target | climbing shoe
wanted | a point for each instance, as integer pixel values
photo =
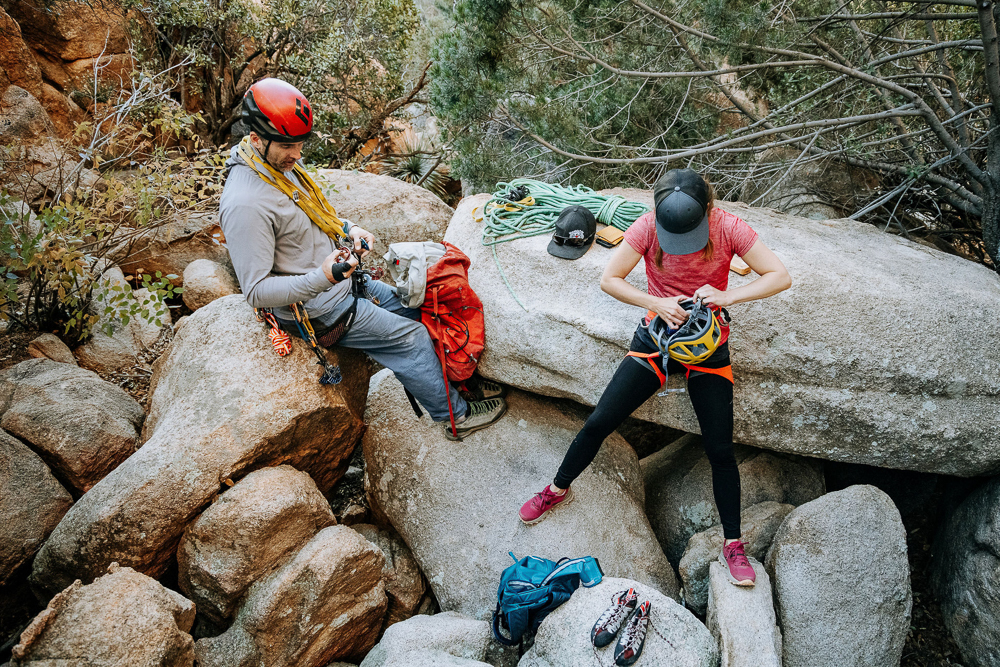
(535, 509)
(610, 622)
(480, 415)
(480, 389)
(738, 568)
(633, 638)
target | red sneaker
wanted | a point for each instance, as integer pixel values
(738, 568)
(535, 509)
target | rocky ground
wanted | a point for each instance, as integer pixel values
(238, 448)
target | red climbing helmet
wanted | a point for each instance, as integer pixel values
(277, 111)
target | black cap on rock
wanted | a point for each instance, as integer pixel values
(681, 200)
(575, 230)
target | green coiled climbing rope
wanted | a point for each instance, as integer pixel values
(505, 220)
(536, 206)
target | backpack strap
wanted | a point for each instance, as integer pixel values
(497, 619)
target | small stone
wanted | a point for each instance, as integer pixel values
(48, 346)
(205, 281)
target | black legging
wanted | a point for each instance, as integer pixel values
(633, 383)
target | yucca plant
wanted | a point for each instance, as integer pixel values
(413, 164)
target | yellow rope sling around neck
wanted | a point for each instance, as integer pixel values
(310, 199)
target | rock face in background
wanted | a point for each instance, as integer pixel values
(17, 65)
(326, 603)
(758, 525)
(404, 583)
(966, 575)
(82, 426)
(66, 41)
(31, 504)
(893, 394)
(223, 404)
(563, 639)
(742, 620)
(842, 581)
(123, 618)
(170, 247)
(456, 503)
(679, 500)
(390, 209)
(39, 166)
(449, 632)
(248, 532)
(815, 189)
(205, 281)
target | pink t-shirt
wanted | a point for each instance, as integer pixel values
(681, 275)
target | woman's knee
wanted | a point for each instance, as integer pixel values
(721, 455)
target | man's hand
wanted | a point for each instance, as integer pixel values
(712, 296)
(339, 256)
(358, 234)
(669, 311)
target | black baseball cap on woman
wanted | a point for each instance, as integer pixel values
(681, 200)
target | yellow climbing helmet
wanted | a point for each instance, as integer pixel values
(696, 339)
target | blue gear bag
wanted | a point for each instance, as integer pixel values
(532, 587)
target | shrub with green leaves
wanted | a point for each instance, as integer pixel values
(52, 266)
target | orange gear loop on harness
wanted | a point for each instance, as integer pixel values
(280, 341)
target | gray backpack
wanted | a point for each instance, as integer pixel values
(407, 264)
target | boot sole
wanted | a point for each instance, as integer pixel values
(462, 434)
(745, 583)
(567, 501)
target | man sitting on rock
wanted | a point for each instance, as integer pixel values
(282, 237)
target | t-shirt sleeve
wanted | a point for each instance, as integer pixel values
(742, 236)
(639, 233)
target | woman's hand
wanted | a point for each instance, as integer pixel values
(358, 234)
(669, 311)
(712, 296)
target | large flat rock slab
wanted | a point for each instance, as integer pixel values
(455, 503)
(223, 404)
(856, 362)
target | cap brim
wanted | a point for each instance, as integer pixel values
(569, 251)
(686, 243)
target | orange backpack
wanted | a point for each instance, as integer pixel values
(453, 314)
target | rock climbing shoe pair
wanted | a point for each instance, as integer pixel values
(480, 415)
(624, 604)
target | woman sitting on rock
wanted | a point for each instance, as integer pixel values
(687, 244)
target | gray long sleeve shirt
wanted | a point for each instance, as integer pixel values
(275, 248)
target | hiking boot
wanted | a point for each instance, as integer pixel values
(610, 622)
(630, 644)
(480, 389)
(535, 509)
(738, 568)
(480, 415)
